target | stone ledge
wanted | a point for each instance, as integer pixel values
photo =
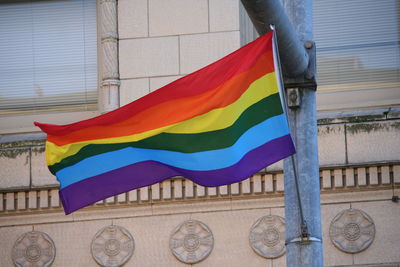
(132, 210)
(333, 181)
(355, 116)
(394, 264)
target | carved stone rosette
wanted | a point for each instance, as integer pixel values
(267, 236)
(352, 231)
(33, 249)
(191, 242)
(112, 246)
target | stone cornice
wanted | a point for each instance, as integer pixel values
(334, 180)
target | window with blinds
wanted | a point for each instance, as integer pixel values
(48, 52)
(358, 53)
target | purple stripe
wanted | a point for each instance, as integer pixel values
(91, 190)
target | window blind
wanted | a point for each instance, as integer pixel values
(48, 52)
(358, 52)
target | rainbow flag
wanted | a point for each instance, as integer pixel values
(216, 126)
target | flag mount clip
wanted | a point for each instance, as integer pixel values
(304, 240)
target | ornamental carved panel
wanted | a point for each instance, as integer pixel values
(33, 249)
(352, 231)
(191, 242)
(112, 246)
(267, 236)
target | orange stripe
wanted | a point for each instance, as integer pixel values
(167, 113)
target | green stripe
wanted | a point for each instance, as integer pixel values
(188, 143)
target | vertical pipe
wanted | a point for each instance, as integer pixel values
(303, 123)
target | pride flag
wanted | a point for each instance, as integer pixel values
(216, 126)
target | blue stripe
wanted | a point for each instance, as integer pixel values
(200, 161)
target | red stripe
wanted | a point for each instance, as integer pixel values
(193, 84)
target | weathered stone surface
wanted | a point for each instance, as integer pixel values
(1, 201)
(178, 190)
(10, 201)
(280, 185)
(174, 17)
(326, 179)
(384, 249)
(198, 50)
(146, 57)
(373, 141)
(166, 189)
(112, 246)
(9, 235)
(224, 15)
(191, 242)
(338, 178)
(246, 189)
(362, 176)
(332, 255)
(257, 183)
(277, 166)
(15, 168)
(267, 236)
(350, 180)
(144, 193)
(269, 183)
(133, 89)
(393, 113)
(41, 176)
(189, 189)
(44, 199)
(231, 242)
(331, 145)
(373, 175)
(34, 249)
(352, 116)
(132, 18)
(396, 174)
(152, 241)
(158, 82)
(73, 241)
(352, 230)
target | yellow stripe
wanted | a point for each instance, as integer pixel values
(211, 121)
(221, 118)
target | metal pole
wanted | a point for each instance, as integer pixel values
(301, 250)
(304, 242)
(266, 12)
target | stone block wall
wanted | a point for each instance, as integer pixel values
(161, 41)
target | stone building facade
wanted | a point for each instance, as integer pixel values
(143, 45)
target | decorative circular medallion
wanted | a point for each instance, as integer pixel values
(267, 236)
(352, 231)
(33, 249)
(112, 246)
(192, 241)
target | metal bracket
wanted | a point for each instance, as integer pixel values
(293, 97)
(304, 240)
(309, 79)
